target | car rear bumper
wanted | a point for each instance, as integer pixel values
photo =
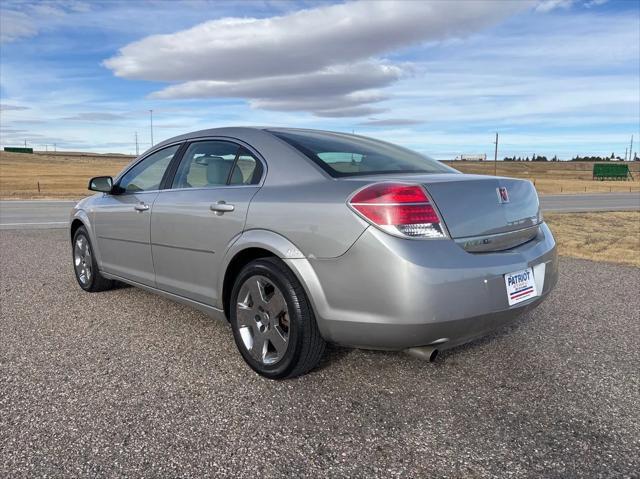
(393, 293)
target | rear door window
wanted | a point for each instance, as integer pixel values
(247, 171)
(217, 163)
(206, 163)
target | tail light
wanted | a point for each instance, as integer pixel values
(399, 209)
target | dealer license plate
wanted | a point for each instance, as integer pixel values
(520, 286)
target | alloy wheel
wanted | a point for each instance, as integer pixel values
(263, 319)
(82, 259)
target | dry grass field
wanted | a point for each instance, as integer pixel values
(607, 236)
(59, 175)
(553, 177)
(65, 175)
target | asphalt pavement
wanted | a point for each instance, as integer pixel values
(51, 214)
(590, 202)
(39, 214)
(127, 384)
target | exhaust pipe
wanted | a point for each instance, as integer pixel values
(426, 353)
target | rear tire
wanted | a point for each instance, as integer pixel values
(272, 320)
(85, 265)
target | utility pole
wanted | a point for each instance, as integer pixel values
(495, 158)
(631, 149)
(625, 154)
(25, 143)
(55, 147)
(137, 152)
(151, 123)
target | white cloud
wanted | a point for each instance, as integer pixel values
(301, 42)
(335, 80)
(24, 19)
(319, 103)
(547, 5)
(343, 112)
(97, 116)
(329, 90)
(391, 122)
(15, 25)
(319, 52)
(5, 107)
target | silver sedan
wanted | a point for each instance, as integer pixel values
(302, 237)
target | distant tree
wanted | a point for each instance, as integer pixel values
(555, 158)
(527, 159)
(590, 158)
(612, 156)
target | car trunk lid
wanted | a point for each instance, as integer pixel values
(481, 213)
(473, 205)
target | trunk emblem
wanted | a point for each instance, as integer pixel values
(503, 195)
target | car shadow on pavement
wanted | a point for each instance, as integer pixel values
(335, 354)
(505, 330)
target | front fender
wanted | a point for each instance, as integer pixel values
(79, 214)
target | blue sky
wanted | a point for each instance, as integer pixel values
(553, 77)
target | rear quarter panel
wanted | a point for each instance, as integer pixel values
(312, 215)
(301, 202)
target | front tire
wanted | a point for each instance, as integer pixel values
(85, 265)
(272, 320)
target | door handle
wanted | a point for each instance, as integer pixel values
(141, 207)
(221, 207)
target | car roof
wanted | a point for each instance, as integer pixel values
(241, 132)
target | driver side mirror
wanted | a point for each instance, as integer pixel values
(103, 184)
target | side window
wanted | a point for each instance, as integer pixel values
(247, 171)
(147, 175)
(206, 163)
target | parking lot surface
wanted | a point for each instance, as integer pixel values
(125, 383)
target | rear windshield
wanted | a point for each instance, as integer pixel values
(348, 155)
